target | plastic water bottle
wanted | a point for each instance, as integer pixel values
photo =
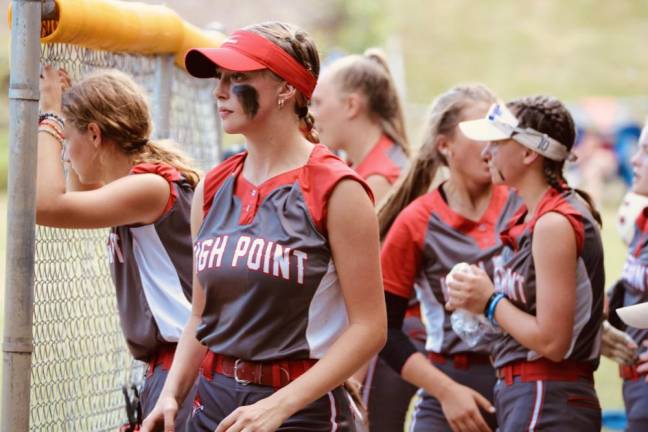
(468, 326)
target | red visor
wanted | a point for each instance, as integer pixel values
(247, 51)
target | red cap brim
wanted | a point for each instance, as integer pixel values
(201, 62)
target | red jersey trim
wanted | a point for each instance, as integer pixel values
(641, 225)
(552, 201)
(483, 231)
(402, 250)
(166, 171)
(215, 178)
(317, 178)
(377, 162)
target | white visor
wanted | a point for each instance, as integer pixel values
(501, 124)
(635, 316)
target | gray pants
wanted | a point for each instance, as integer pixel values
(153, 387)
(428, 415)
(222, 395)
(570, 406)
(635, 397)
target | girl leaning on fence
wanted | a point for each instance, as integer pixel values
(287, 276)
(119, 178)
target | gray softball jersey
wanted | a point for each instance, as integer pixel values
(151, 267)
(515, 275)
(264, 261)
(426, 241)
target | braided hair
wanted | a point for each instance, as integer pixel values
(548, 115)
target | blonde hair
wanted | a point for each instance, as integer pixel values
(369, 74)
(443, 117)
(117, 105)
(301, 47)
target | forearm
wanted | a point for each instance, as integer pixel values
(50, 179)
(186, 363)
(529, 332)
(418, 371)
(344, 357)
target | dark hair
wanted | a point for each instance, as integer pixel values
(548, 115)
(301, 47)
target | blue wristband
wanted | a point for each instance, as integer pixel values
(491, 307)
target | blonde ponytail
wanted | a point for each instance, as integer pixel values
(166, 151)
(444, 115)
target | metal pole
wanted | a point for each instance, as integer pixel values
(162, 97)
(17, 345)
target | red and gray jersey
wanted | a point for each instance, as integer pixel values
(386, 159)
(151, 267)
(264, 261)
(515, 276)
(426, 240)
(635, 272)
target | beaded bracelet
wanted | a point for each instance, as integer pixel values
(52, 115)
(492, 305)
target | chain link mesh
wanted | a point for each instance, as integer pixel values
(80, 359)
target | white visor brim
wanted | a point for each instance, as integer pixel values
(482, 130)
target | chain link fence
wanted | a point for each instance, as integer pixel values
(80, 359)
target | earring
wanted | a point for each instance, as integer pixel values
(281, 103)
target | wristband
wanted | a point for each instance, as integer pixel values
(492, 305)
(488, 302)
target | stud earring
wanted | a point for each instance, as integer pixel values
(281, 103)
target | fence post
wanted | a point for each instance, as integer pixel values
(17, 345)
(162, 92)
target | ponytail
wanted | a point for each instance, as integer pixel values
(165, 151)
(393, 125)
(415, 183)
(445, 114)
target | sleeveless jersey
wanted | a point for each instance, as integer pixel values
(264, 261)
(635, 271)
(515, 276)
(386, 159)
(426, 240)
(151, 268)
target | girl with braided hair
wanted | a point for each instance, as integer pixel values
(286, 267)
(119, 178)
(547, 291)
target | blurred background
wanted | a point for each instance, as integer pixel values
(589, 54)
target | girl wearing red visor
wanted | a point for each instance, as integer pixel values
(286, 277)
(547, 290)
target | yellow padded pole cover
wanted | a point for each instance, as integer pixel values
(118, 26)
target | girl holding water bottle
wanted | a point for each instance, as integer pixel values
(425, 234)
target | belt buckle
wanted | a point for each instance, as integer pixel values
(236, 378)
